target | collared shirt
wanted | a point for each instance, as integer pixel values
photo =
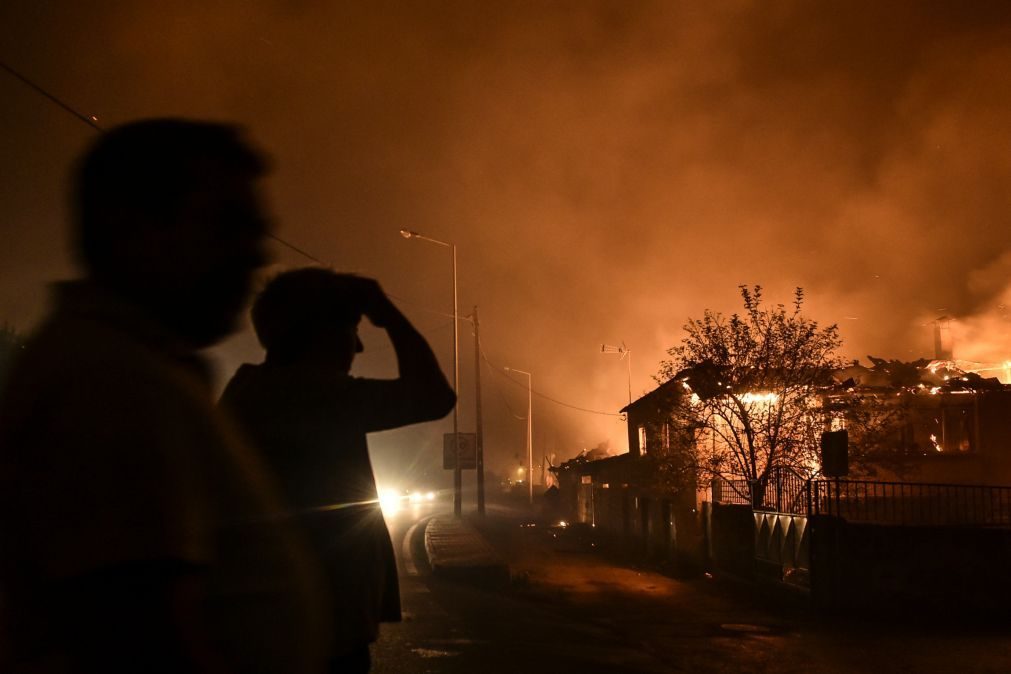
(111, 452)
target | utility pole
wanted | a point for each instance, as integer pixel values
(479, 439)
(457, 470)
(530, 434)
(530, 439)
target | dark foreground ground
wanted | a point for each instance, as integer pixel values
(575, 605)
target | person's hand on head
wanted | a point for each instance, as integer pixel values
(376, 306)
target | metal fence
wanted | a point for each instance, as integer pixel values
(912, 503)
(735, 492)
(905, 503)
(783, 490)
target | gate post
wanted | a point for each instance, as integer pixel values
(716, 490)
(757, 494)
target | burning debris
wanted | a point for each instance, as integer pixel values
(924, 376)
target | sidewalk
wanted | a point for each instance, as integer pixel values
(455, 549)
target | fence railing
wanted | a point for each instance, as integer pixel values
(783, 490)
(906, 503)
(735, 492)
(912, 503)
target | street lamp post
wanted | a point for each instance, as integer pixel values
(457, 473)
(530, 436)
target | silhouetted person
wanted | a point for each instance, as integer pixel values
(310, 417)
(138, 533)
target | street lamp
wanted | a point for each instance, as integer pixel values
(530, 437)
(457, 474)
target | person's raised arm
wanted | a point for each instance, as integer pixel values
(421, 392)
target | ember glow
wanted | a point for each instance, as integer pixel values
(763, 399)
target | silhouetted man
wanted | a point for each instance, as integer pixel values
(138, 534)
(310, 417)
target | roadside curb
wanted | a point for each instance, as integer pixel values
(456, 550)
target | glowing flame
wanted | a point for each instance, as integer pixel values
(937, 446)
(760, 398)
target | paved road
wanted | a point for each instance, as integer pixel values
(453, 627)
(579, 612)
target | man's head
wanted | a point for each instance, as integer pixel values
(310, 312)
(168, 214)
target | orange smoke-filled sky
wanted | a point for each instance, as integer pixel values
(606, 169)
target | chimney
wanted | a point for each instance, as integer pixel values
(943, 348)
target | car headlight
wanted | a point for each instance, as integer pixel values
(389, 501)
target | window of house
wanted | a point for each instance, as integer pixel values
(642, 440)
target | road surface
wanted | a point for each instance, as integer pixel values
(578, 611)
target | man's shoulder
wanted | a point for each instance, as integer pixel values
(69, 347)
(77, 361)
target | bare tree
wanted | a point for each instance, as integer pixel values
(750, 388)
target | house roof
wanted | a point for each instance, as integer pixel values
(660, 395)
(882, 374)
(585, 465)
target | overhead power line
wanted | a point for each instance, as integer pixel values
(501, 393)
(498, 370)
(92, 122)
(298, 250)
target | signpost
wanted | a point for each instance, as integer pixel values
(468, 451)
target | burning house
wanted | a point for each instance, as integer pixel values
(950, 423)
(930, 421)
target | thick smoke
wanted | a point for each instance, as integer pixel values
(606, 169)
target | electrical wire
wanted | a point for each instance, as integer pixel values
(502, 396)
(501, 373)
(298, 250)
(92, 122)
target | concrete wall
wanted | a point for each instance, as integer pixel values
(730, 538)
(782, 540)
(889, 567)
